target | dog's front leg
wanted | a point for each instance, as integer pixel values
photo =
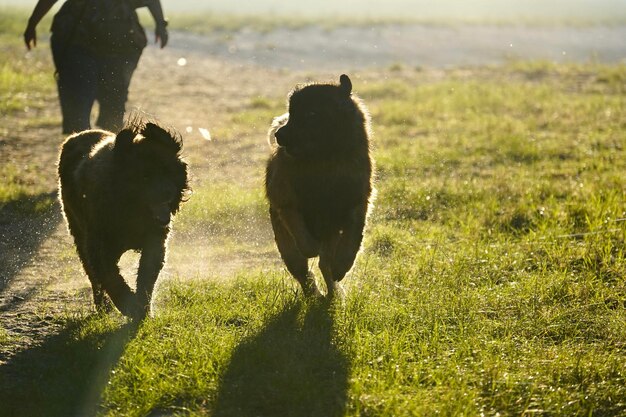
(349, 243)
(102, 261)
(150, 265)
(307, 244)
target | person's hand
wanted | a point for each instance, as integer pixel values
(30, 37)
(160, 34)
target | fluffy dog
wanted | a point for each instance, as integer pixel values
(119, 193)
(319, 181)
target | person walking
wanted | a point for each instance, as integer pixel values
(96, 46)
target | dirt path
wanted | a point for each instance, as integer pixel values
(414, 45)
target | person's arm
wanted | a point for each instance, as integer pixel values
(30, 34)
(160, 31)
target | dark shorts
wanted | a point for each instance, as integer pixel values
(84, 77)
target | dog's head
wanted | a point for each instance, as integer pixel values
(152, 170)
(321, 120)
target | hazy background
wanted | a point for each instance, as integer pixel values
(346, 35)
(414, 9)
(443, 33)
(420, 9)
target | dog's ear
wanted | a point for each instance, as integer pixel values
(124, 140)
(155, 132)
(345, 102)
(345, 84)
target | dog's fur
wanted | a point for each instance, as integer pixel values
(118, 193)
(319, 181)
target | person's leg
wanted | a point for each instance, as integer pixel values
(114, 81)
(76, 76)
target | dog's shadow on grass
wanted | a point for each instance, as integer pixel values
(67, 374)
(292, 367)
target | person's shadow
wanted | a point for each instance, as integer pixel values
(65, 375)
(292, 367)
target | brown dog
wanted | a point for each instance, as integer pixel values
(319, 181)
(118, 193)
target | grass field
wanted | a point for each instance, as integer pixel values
(491, 280)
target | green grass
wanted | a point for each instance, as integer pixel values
(222, 207)
(25, 80)
(491, 280)
(13, 187)
(21, 190)
(209, 22)
(5, 337)
(24, 83)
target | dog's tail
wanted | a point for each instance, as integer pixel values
(277, 123)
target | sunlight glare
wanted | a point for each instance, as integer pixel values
(205, 133)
